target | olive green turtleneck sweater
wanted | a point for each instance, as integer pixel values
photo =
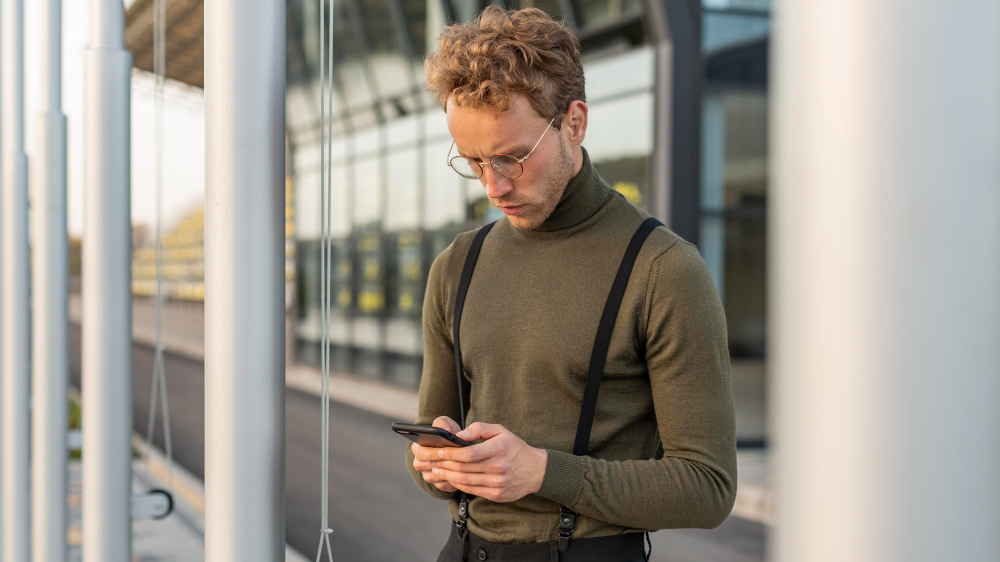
(528, 327)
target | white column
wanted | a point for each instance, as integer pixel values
(885, 270)
(14, 249)
(244, 280)
(50, 305)
(107, 299)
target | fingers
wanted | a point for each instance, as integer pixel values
(492, 494)
(426, 472)
(437, 482)
(445, 487)
(469, 478)
(480, 430)
(472, 453)
(425, 454)
(490, 466)
(444, 422)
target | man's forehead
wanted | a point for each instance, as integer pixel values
(483, 130)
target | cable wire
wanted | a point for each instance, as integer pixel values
(326, 131)
(159, 382)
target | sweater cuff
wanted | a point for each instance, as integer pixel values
(563, 481)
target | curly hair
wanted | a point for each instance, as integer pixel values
(483, 63)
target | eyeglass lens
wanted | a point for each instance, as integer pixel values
(504, 165)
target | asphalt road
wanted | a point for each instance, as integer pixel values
(376, 512)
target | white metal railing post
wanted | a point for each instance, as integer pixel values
(14, 249)
(885, 268)
(107, 291)
(244, 280)
(50, 301)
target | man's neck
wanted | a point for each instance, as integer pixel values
(577, 152)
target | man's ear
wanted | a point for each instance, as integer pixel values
(574, 124)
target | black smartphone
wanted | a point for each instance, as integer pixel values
(429, 436)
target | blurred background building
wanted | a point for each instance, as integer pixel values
(396, 205)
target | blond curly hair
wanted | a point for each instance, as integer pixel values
(483, 63)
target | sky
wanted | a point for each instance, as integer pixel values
(184, 132)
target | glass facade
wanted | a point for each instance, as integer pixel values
(733, 196)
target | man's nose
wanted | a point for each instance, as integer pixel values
(496, 185)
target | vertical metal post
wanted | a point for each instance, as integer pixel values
(107, 291)
(50, 301)
(244, 280)
(885, 247)
(674, 168)
(15, 329)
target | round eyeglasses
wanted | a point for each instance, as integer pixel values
(503, 164)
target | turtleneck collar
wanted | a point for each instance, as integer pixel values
(585, 194)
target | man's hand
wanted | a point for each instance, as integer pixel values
(422, 456)
(502, 469)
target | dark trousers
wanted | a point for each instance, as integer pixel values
(615, 548)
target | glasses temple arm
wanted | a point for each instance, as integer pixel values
(547, 127)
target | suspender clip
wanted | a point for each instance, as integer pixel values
(567, 522)
(463, 514)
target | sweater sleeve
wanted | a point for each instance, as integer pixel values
(438, 389)
(686, 351)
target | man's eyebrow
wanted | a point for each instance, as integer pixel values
(516, 151)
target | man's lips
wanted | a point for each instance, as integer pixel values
(511, 209)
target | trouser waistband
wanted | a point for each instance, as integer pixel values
(628, 547)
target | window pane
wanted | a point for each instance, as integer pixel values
(550, 7)
(744, 286)
(620, 128)
(307, 207)
(347, 58)
(734, 150)
(415, 12)
(401, 205)
(596, 13)
(728, 30)
(444, 202)
(371, 297)
(367, 192)
(616, 75)
(387, 62)
(340, 214)
(621, 153)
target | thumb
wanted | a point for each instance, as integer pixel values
(481, 430)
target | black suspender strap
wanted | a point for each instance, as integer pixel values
(463, 288)
(603, 339)
(567, 518)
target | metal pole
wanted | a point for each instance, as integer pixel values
(50, 304)
(16, 345)
(107, 291)
(675, 167)
(885, 267)
(244, 280)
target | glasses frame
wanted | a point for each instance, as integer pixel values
(482, 165)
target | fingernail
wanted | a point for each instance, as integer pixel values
(440, 454)
(435, 471)
(463, 434)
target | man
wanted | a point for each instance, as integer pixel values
(662, 450)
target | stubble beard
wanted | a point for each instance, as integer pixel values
(550, 192)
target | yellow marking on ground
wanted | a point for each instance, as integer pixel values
(190, 496)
